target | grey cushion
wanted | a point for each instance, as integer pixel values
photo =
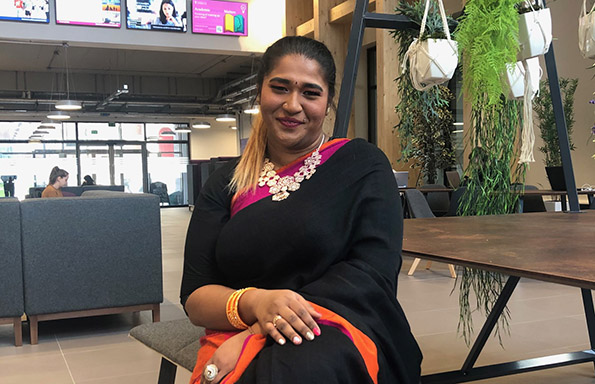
(84, 253)
(11, 270)
(177, 340)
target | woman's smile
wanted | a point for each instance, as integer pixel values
(289, 122)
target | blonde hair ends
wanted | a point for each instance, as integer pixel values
(248, 169)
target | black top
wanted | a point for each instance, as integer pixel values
(337, 241)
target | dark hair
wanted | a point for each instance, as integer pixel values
(57, 172)
(304, 46)
(162, 15)
(88, 180)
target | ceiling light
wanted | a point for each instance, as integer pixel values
(252, 110)
(167, 132)
(40, 132)
(58, 115)
(233, 127)
(201, 125)
(227, 117)
(183, 129)
(47, 124)
(68, 105)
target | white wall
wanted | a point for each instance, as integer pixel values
(266, 20)
(217, 141)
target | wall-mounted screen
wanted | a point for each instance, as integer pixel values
(21, 10)
(220, 17)
(161, 15)
(102, 13)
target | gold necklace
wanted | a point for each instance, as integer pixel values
(280, 187)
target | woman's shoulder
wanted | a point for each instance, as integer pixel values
(363, 151)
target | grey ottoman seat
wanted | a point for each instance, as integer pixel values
(11, 267)
(91, 255)
(177, 341)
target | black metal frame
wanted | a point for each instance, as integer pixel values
(468, 373)
(363, 19)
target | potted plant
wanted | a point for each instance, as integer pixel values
(548, 131)
(425, 118)
(488, 40)
(432, 59)
(535, 29)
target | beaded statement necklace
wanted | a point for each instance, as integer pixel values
(280, 187)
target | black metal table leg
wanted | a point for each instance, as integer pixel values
(490, 323)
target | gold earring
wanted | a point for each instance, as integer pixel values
(328, 110)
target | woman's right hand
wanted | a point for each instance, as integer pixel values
(284, 315)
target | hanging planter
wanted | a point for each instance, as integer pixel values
(432, 61)
(586, 32)
(515, 78)
(535, 31)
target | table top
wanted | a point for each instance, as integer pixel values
(550, 246)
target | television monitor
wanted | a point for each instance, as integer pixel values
(21, 10)
(101, 13)
(220, 17)
(160, 15)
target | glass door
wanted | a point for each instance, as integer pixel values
(113, 164)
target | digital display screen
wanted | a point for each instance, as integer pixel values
(161, 15)
(101, 13)
(220, 17)
(21, 10)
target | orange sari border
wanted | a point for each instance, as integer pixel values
(255, 343)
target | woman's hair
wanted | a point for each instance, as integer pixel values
(57, 172)
(89, 180)
(248, 169)
(162, 17)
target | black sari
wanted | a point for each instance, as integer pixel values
(336, 241)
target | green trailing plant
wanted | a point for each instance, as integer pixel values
(425, 118)
(544, 109)
(488, 39)
(487, 36)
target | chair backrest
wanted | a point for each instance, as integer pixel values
(402, 178)
(417, 204)
(454, 179)
(453, 209)
(531, 203)
(439, 202)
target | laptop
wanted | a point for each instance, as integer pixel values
(402, 178)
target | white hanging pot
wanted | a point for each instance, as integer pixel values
(515, 78)
(535, 33)
(586, 32)
(432, 61)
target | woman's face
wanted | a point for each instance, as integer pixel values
(293, 103)
(62, 181)
(168, 10)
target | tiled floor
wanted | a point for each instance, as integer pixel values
(546, 319)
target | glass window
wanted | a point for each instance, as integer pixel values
(32, 163)
(167, 167)
(164, 132)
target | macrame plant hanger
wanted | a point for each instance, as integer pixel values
(363, 19)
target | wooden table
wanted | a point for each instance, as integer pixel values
(549, 246)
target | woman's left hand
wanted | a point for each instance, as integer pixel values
(226, 356)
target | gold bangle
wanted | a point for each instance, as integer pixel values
(231, 309)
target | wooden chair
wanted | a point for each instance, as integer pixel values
(418, 208)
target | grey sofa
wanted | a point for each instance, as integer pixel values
(91, 255)
(11, 272)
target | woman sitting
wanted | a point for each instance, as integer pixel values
(293, 251)
(58, 179)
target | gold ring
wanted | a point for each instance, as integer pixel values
(275, 319)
